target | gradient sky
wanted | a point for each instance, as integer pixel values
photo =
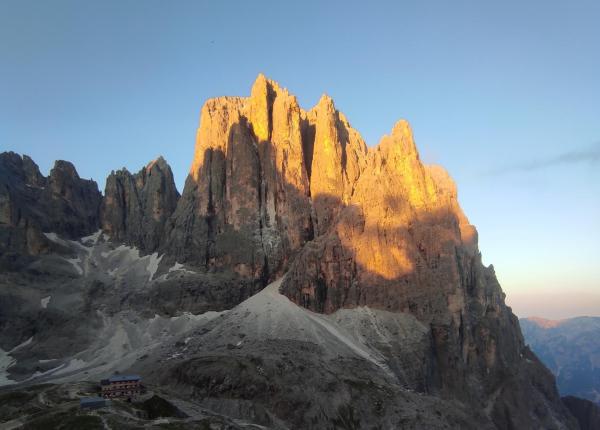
(505, 95)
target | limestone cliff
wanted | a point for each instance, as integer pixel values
(275, 189)
(266, 178)
(30, 204)
(246, 203)
(136, 207)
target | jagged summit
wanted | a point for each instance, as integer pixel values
(325, 102)
(159, 161)
(260, 110)
(136, 207)
(31, 203)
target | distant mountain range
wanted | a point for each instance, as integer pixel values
(570, 348)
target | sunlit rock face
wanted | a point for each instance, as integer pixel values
(136, 207)
(400, 229)
(276, 189)
(246, 203)
(336, 154)
(267, 177)
(401, 242)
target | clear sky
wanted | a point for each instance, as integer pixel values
(505, 95)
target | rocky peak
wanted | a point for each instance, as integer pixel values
(260, 107)
(325, 105)
(22, 167)
(158, 163)
(75, 202)
(31, 204)
(65, 169)
(402, 137)
(136, 207)
(63, 178)
(447, 195)
(32, 173)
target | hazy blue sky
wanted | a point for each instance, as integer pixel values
(505, 95)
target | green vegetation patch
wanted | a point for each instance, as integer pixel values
(157, 407)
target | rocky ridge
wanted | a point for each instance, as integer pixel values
(136, 207)
(31, 204)
(272, 190)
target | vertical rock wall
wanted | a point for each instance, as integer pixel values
(136, 207)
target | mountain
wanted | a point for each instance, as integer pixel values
(301, 280)
(31, 203)
(570, 348)
(136, 207)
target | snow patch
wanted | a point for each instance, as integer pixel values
(73, 365)
(93, 238)
(54, 238)
(178, 267)
(122, 251)
(68, 243)
(76, 264)
(44, 302)
(47, 372)
(22, 345)
(208, 315)
(153, 262)
(6, 361)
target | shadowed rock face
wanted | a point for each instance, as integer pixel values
(31, 204)
(136, 207)
(586, 412)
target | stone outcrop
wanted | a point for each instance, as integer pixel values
(30, 204)
(586, 412)
(73, 202)
(136, 206)
(266, 178)
(337, 157)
